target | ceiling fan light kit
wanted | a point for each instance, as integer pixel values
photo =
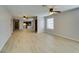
(51, 9)
(51, 13)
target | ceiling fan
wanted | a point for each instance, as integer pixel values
(51, 9)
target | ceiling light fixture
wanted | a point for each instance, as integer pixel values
(25, 17)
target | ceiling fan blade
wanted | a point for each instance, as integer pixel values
(57, 11)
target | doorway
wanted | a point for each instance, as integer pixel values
(15, 24)
(36, 25)
(27, 25)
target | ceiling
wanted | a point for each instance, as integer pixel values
(36, 10)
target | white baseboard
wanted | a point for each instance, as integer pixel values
(64, 36)
(4, 42)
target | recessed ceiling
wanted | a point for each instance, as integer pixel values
(36, 10)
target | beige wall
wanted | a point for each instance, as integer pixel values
(67, 24)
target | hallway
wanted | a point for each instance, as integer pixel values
(27, 41)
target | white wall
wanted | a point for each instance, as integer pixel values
(21, 24)
(33, 25)
(41, 24)
(67, 24)
(5, 26)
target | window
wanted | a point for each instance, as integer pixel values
(50, 23)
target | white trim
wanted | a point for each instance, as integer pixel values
(64, 36)
(4, 42)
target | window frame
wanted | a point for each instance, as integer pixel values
(51, 22)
